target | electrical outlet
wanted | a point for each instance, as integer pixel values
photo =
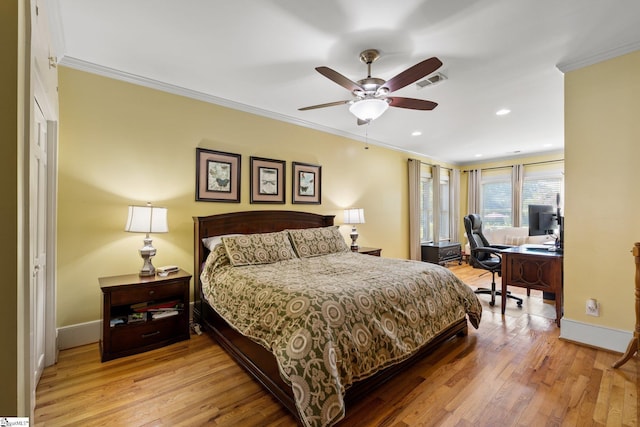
(593, 307)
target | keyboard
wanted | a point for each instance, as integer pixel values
(539, 248)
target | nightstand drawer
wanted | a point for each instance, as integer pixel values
(148, 333)
(147, 293)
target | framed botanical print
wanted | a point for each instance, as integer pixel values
(217, 176)
(307, 183)
(267, 180)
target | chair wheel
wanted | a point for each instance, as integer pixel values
(491, 303)
(520, 304)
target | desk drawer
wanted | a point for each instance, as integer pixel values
(534, 273)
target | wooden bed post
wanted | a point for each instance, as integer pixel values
(634, 345)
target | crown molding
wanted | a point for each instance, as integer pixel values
(113, 73)
(585, 61)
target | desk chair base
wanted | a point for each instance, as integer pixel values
(493, 292)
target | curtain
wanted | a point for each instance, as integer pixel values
(473, 191)
(517, 178)
(454, 197)
(414, 210)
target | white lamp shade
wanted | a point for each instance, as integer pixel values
(147, 219)
(354, 216)
(368, 109)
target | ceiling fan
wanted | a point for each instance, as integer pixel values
(371, 94)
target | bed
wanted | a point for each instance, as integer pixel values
(316, 393)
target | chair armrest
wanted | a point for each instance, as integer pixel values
(488, 249)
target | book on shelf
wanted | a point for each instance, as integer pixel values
(137, 317)
(118, 320)
(173, 304)
(164, 313)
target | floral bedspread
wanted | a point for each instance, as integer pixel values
(335, 319)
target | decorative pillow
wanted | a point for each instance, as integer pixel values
(211, 242)
(515, 240)
(262, 248)
(310, 242)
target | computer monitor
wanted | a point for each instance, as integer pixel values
(543, 220)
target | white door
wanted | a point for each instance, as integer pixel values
(38, 242)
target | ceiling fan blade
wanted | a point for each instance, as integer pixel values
(411, 103)
(412, 74)
(328, 104)
(346, 83)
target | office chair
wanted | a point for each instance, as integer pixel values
(485, 256)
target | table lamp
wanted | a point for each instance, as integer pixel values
(147, 219)
(353, 217)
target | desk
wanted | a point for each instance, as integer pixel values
(541, 270)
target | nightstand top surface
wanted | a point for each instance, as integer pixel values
(136, 279)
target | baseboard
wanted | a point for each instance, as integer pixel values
(86, 333)
(595, 336)
(79, 334)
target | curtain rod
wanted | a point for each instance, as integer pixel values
(524, 164)
(430, 164)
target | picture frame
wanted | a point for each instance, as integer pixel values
(267, 177)
(217, 176)
(307, 183)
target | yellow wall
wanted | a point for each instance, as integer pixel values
(602, 150)
(122, 144)
(12, 51)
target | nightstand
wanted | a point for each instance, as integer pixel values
(369, 251)
(143, 313)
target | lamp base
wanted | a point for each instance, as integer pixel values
(147, 252)
(354, 237)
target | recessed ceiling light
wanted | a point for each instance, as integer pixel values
(416, 133)
(478, 155)
(547, 145)
(502, 112)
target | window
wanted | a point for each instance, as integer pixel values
(540, 187)
(426, 205)
(435, 213)
(445, 206)
(496, 198)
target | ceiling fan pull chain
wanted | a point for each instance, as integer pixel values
(366, 136)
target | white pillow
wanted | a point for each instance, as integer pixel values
(515, 240)
(213, 241)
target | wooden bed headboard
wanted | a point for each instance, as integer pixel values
(246, 222)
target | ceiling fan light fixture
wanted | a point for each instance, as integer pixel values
(369, 109)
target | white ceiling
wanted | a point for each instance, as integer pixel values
(259, 56)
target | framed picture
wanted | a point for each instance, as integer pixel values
(267, 180)
(217, 176)
(307, 182)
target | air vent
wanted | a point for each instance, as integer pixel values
(431, 80)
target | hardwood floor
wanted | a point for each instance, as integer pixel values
(511, 372)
